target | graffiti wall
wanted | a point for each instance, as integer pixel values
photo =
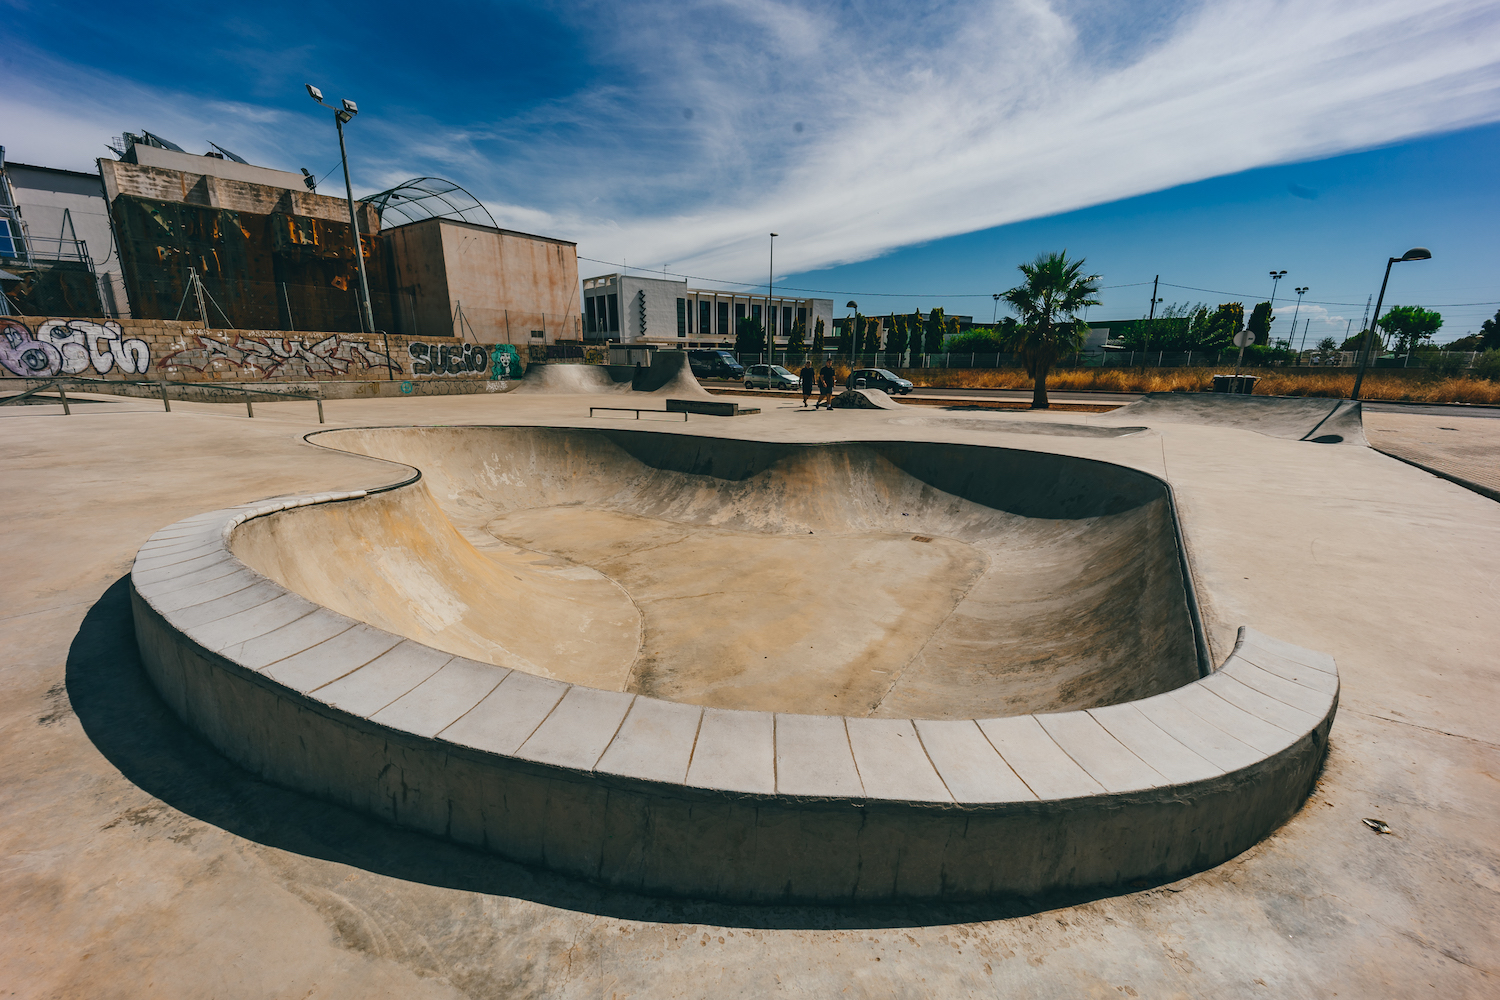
(281, 357)
(33, 347)
(70, 347)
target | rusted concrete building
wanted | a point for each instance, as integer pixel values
(274, 255)
(485, 284)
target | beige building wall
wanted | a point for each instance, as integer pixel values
(512, 288)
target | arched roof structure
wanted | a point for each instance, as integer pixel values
(428, 198)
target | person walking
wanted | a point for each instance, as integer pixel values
(807, 375)
(825, 386)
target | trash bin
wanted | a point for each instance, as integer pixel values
(1243, 385)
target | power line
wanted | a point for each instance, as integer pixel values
(828, 291)
(985, 295)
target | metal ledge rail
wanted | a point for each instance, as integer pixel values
(161, 385)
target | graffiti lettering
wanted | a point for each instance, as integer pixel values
(448, 359)
(68, 347)
(333, 355)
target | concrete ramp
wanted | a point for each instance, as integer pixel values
(865, 399)
(669, 375)
(1299, 418)
(570, 379)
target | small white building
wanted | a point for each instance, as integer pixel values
(667, 313)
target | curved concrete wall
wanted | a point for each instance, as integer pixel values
(678, 799)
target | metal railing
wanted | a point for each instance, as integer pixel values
(159, 388)
(1114, 359)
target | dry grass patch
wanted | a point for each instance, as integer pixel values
(1416, 387)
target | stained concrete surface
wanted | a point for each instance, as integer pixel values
(139, 863)
(839, 579)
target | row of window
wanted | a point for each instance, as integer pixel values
(601, 314)
(723, 328)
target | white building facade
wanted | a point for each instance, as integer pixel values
(665, 313)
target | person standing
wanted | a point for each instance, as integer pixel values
(807, 375)
(825, 386)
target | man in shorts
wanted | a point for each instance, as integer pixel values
(825, 386)
(807, 375)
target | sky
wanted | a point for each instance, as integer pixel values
(909, 155)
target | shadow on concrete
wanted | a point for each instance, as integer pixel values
(132, 727)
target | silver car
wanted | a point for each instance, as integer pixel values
(770, 377)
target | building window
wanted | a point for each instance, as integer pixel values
(591, 323)
(739, 312)
(614, 313)
(754, 312)
(682, 317)
(724, 328)
(786, 321)
(538, 334)
(705, 318)
(802, 317)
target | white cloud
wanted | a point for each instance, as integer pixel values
(920, 120)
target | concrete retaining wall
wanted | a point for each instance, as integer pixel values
(124, 349)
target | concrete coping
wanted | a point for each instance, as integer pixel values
(1265, 697)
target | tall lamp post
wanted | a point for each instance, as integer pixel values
(1301, 291)
(770, 326)
(995, 318)
(854, 333)
(341, 117)
(1415, 253)
(1275, 277)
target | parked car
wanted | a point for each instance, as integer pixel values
(715, 364)
(771, 377)
(881, 378)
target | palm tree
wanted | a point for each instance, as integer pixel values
(1048, 302)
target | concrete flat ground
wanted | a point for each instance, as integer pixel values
(1460, 444)
(138, 862)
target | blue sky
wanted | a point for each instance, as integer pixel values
(897, 148)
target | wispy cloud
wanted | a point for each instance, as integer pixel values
(918, 121)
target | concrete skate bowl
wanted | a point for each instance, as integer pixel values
(587, 653)
(1300, 418)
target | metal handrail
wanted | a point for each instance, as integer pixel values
(162, 385)
(68, 410)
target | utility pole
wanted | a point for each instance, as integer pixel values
(1150, 318)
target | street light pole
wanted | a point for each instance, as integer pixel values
(770, 327)
(995, 318)
(1275, 277)
(1295, 313)
(854, 333)
(342, 116)
(1415, 253)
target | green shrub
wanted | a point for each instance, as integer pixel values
(1487, 365)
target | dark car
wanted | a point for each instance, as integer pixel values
(715, 364)
(880, 378)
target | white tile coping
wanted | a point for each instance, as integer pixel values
(1266, 698)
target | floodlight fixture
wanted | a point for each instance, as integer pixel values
(350, 106)
(315, 93)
